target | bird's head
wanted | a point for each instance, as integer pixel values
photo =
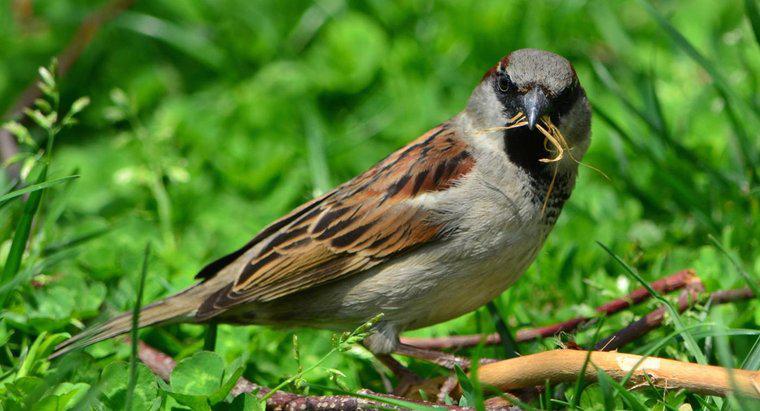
(537, 84)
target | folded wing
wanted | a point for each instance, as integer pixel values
(357, 226)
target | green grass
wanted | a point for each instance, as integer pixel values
(210, 119)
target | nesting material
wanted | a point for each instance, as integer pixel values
(554, 142)
(552, 135)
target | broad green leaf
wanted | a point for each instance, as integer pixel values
(23, 392)
(195, 402)
(200, 374)
(246, 402)
(64, 397)
(115, 379)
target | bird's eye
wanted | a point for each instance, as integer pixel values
(504, 83)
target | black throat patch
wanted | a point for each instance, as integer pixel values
(525, 148)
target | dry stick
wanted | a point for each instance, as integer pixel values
(636, 330)
(444, 359)
(654, 319)
(162, 365)
(66, 58)
(688, 298)
(558, 366)
(665, 285)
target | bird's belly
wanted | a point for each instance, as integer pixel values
(473, 282)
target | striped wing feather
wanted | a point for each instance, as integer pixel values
(358, 225)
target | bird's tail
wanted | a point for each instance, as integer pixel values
(177, 308)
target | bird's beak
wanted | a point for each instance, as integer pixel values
(535, 105)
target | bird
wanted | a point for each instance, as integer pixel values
(435, 230)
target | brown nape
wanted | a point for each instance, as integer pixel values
(504, 62)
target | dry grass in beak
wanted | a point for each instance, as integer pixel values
(549, 130)
(518, 120)
(554, 136)
(554, 142)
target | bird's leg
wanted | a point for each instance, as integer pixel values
(441, 358)
(380, 343)
(406, 377)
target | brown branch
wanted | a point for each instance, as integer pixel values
(654, 319)
(162, 365)
(66, 58)
(665, 285)
(559, 366)
(444, 359)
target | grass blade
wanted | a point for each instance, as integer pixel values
(480, 404)
(689, 341)
(507, 341)
(580, 383)
(315, 139)
(605, 387)
(687, 47)
(660, 127)
(135, 326)
(34, 187)
(751, 283)
(192, 42)
(656, 122)
(729, 97)
(752, 361)
(209, 337)
(76, 241)
(754, 17)
(21, 236)
(630, 399)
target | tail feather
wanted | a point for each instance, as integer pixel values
(176, 308)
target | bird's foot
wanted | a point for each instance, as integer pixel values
(406, 378)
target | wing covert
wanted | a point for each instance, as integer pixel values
(357, 226)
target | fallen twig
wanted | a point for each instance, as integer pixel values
(559, 366)
(665, 285)
(445, 360)
(654, 319)
(162, 365)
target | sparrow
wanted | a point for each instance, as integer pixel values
(433, 231)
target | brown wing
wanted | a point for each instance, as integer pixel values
(357, 226)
